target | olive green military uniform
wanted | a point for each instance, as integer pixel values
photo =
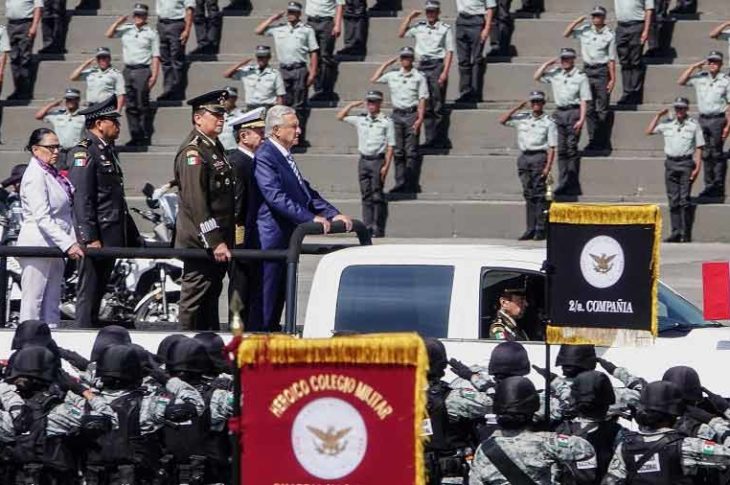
(505, 327)
(205, 219)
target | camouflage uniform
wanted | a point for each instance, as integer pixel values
(626, 397)
(11, 407)
(504, 327)
(535, 453)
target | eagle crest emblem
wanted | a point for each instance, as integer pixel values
(602, 264)
(330, 442)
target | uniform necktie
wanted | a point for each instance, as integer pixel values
(294, 168)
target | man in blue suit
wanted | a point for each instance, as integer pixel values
(284, 200)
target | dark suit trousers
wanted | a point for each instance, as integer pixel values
(202, 283)
(713, 158)
(295, 83)
(267, 297)
(356, 25)
(93, 278)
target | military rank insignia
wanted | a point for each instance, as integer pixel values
(80, 159)
(192, 157)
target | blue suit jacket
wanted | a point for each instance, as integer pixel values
(281, 202)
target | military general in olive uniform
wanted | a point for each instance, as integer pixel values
(512, 306)
(102, 217)
(206, 182)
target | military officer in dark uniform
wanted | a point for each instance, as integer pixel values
(102, 217)
(512, 306)
(205, 219)
(248, 130)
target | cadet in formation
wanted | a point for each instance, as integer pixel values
(174, 24)
(683, 145)
(375, 140)
(23, 18)
(537, 137)
(473, 26)
(634, 19)
(356, 27)
(68, 124)
(263, 85)
(208, 20)
(102, 80)
(231, 111)
(325, 17)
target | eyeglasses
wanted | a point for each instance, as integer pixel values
(50, 148)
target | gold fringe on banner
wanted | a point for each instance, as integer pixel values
(400, 349)
(608, 214)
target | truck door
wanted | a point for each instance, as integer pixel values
(494, 281)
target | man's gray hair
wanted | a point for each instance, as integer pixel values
(275, 117)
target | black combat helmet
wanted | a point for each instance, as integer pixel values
(108, 336)
(436, 357)
(120, 362)
(166, 344)
(32, 332)
(687, 380)
(214, 344)
(582, 357)
(663, 397)
(34, 362)
(509, 359)
(190, 356)
(592, 389)
(516, 395)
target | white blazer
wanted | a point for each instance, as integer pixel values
(47, 211)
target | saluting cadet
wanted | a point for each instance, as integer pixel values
(262, 84)
(298, 53)
(473, 25)
(206, 217)
(722, 32)
(102, 217)
(408, 95)
(174, 22)
(102, 80)
(23, 18)
(435, 52)
(683, 143)
(208, 20)
(226, 136)
(141, 53)
(357, 25)
(571, 92)
(634, 19)
(713, 93)
(325, 17)
(537, 137)
(598, 50)
(68, 124)
(375, 142)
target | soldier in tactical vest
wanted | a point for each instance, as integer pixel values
(515, 454)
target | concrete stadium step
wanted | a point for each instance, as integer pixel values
(503, 82)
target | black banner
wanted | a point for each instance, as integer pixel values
(601, 275)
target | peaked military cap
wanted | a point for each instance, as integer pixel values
(103, 51)
(72, 93)
(681, 102)
(598, 11)
(407, 52)
(537, 96)
(294, 7)
(263, 51)
(715, 56)
(211, 101)
(433, 5)
(374, 95)
(256, 118)
(140, 9)
(102, 109)
(567, 52)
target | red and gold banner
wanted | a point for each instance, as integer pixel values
(339, 411)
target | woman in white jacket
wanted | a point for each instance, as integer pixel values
(46, 197)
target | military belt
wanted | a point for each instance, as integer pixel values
(631, 23)
(18, 21)
(316, 18)
(371, 158)
(683, 158)
(402, 111)
(568, 107)
(430, 62)
(712, 116)
(595, 66)
(170, 21)
(136, 66)
(292, 66)
(534, 152)
(468, 16)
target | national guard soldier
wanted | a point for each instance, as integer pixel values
(408, 93)
(298, 53)
(537, 137)
(141, 53)
(102, 80)
(504, 26)
(572, 93)
(375, 140)
(473, 26)
(657, 453)
(102, 217)
(598, 50)
(174, 22)
(713, 95)
(208, 20)
(229, 103)
(435, 52)
(325, 18)
(23, 18)
(634, 19)
(68, 124)
(262, 84)
(205, 220)
(683, 144)
(722, 32)
(516, 454)
(512, 306)
(357, 25)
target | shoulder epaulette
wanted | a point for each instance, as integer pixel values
(85, 143)
(421, 22)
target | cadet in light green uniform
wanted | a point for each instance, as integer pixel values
(23, 17)
(174, 23)
(537, 137)
(68, 124)
(473, 25)
(325, 18)
(102, 80)
(683, 143)
(375, 142)
(435, 52)
(262, 84)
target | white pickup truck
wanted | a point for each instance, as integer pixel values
(451, 292)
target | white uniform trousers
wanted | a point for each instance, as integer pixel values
(41, 282)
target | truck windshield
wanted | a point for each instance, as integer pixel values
(395, 298)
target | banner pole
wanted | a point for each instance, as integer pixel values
(547, 269)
